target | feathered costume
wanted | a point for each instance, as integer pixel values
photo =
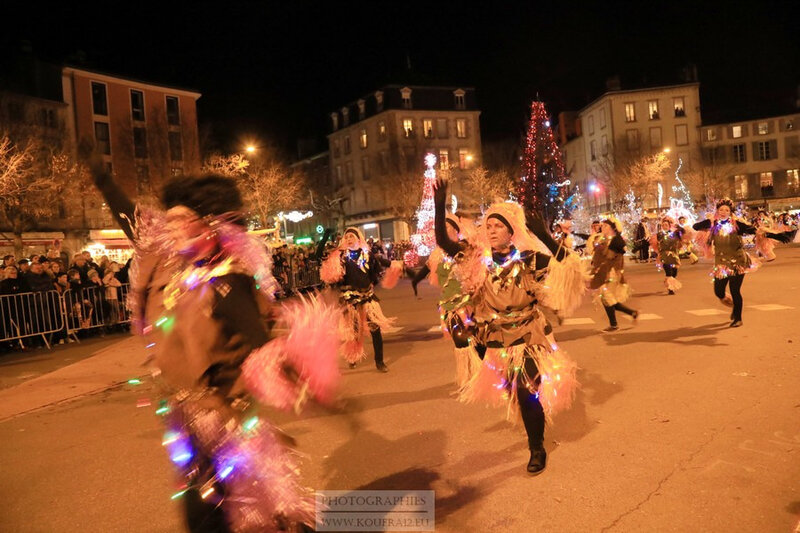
(356, 272)
(608, 274)
(205, 323)
(667, 244)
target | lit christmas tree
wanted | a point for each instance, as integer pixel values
(424, 240)
(543, 185)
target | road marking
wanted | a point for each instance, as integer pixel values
(645, 316)
(770, 307)
(707, 312)
(577, 321)
(435, 329)
(393, 329)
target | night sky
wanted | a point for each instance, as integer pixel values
(274, 70)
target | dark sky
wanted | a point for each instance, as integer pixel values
(273, 70)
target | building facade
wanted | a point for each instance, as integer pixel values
(622, 125)
(759, 160)
(379, 142)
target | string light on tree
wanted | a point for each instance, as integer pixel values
(424, 239)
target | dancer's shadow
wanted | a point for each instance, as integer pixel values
(379, 400)
(574, 334)
(702, 336)
(412, 335)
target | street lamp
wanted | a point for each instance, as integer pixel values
(250, 149)
(667, 150)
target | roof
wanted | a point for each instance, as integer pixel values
(107, 76)
(637, 90)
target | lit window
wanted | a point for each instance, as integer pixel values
(362, 138)
(593, 150)
(655, 137)
(464, 159)
(630, 112)
(681, 134)
(633, 139)
(765, 151)
(736, 132)
(711, 134)
(763, 128)
(405, 92)
(461, 128)
(740, 186)
(739, 153)
(652, 110)
(679, 106)
(444, 159)
(591, 124)
(793, 178)
(381, 131)
(765, 178)
(427, 128)
(408, 128)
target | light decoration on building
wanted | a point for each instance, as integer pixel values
(295, 216)
(453, 203)
(424, 240)
(660, 194)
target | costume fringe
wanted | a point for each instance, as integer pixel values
(392, 275)
(376, 318)
(352, 328)
(332, 270)
(701, 239)
(565, 284)
(672, 283)
(309, 350)
(468, 363)
(765, 246)
(470, 268)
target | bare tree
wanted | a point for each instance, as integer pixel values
(622, 170)
(403, 193)
(488, 186)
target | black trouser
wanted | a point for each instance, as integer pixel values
(644, 251)
(612, 317)
(530, 408)
(202, 516)
(422, 274)
(736, 292)
(671, 271)
(377, 344)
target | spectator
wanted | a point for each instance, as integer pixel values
(13, 282)
(79, 264)
(89, 260)
(55, 269)
(36, 279)
(60, 283)
(8, 261)
(24, 265)
(103, 266)
(112, 285)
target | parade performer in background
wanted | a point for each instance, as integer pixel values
(764, 245)
(731, 261)
(200, 295)
(688, 240)
(608, 267)
(667, 243)
(355, 270)
(523, 368)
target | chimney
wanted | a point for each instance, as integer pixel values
(613, 83)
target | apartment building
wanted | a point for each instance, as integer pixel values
(385, 135)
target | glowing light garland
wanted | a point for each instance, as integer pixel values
(424, 239)
(541, 186)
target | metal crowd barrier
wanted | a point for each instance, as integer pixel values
(51, 315)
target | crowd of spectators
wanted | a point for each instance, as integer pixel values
(82, 295)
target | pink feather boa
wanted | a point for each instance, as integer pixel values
(332, 270)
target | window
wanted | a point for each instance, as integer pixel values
(789, 125)
(765, 179)
(681, 134)
(427, 128)
(655, 137)
(366, 197)
(591, 124)
(441, 128)
(736, 132)
(464, 159)
(337, 177)
(137, 105)
(740, 186)
(459, 95)
(345, 117)
(763, 128)
(348, 171)
(461, 128)
(766, 150)
(632, 137)
(142, 179)
(176, 171)
(336, 148)
(793, 179)
(408, 128)
(347, 144)
(47, 118)
(173, 111)
(602, 118)
(679, 106)
(361, 109)
(652, 110)
(444, 159)
(603, 146)
(99, 100)
(381, 131)
(175, 146)
(335, 121)
(365, 168)
(140, 143)
(593, 150)
(739, 153)
(405, 93)
(630, 112)
(102, 137)
(379, 100)
(362, 138)
(384, 160)
(711, 134)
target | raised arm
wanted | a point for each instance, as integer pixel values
(451, 248)
(121, 206)
(703, 225)
(321, 246)
(535, 224)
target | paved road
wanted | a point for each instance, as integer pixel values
(682, 424)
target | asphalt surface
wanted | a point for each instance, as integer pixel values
(681, 424)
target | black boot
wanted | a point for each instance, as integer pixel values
(377, 346)
(538, 461)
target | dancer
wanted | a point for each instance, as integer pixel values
(608, 270)
(201, 289)
(667, 243)
(356, 271)
(523, 367)
(731, 261)
(764, 245)
(688, 240)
